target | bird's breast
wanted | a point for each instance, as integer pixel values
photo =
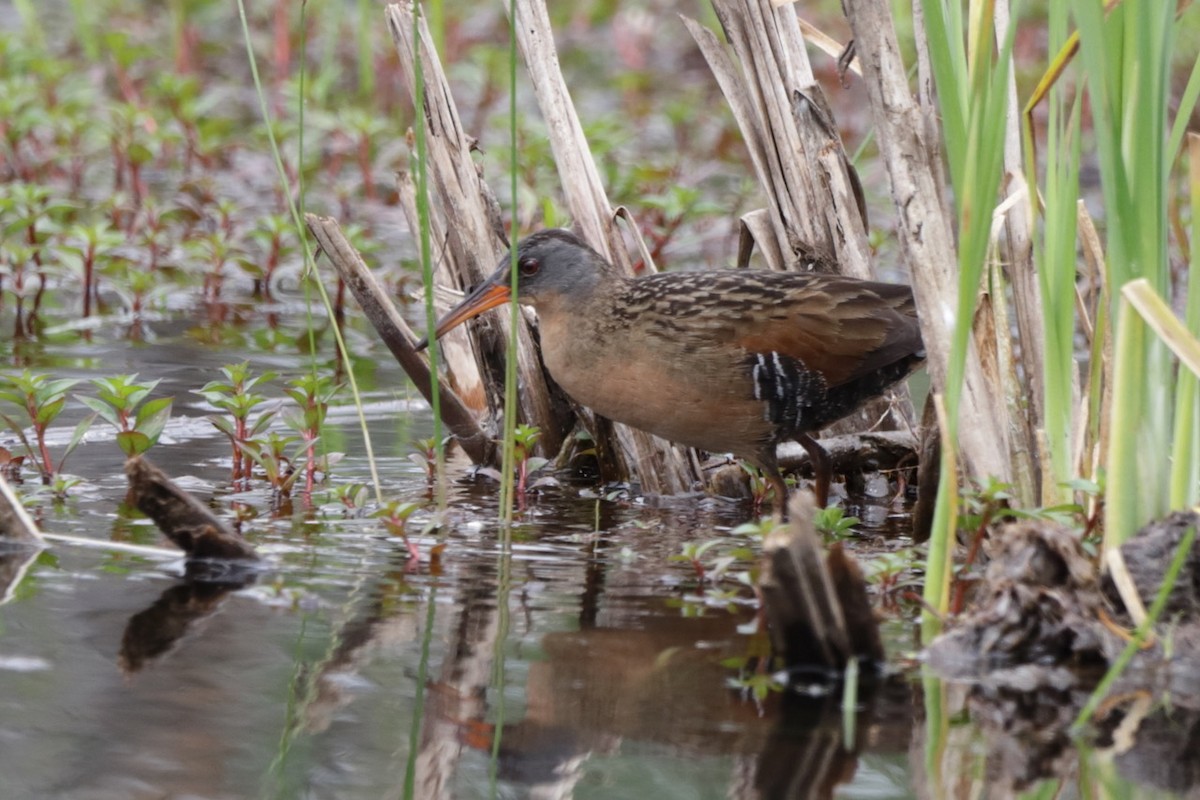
(681, 390)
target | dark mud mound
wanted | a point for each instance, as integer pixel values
(1040, 605)
(1046, 627)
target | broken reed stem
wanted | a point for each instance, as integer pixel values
(397, 336)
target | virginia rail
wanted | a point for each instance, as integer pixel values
(730, 361)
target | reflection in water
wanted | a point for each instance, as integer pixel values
(595, 673)
(153, 632)
(386, 616)
(635, 674)
(14, 563)
(664, 686)
(807, 754)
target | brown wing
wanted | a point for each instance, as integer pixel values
(841, 327)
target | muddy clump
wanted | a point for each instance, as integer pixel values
(1045, 628)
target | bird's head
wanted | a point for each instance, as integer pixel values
(554, 268)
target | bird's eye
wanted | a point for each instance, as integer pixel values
(528, 267)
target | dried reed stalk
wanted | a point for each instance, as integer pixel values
(468, 241)
(815, 211)
(816, 215)
(906, 132)
(664, 468)
(468, 249)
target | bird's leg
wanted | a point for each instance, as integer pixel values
(781, 491)
(822, 468)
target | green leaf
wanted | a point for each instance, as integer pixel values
(153, 408)
(106, 411)
(152, 426)
(55, 388)
(223, 425)
(47, 412)
(133, 443)
(16, 398)
(81, 430)
(20, 434)
(260, 424)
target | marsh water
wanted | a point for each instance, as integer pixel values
(579, 661)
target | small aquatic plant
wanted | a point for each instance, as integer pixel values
(524, 439)
(91, 243)
(123, 401)
(354, 496)
(425, 456)
(276, 455)
(236, 397)
(395, 514)
(41, 399)
(312, 394)
(275, 238)
(834, 521)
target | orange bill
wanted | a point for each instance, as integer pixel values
(487, 296)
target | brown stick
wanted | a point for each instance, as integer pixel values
(15, 523)
(468, 240)
(817, 607)
(663, 468)
(398, 337)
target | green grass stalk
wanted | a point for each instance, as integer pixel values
(508, 457)
(938, 563)
(1126, 57)
(499, 677)
(1122, 512)
(426, 250)
(436, 15)
(1187, 103)
(418, 712)
(1185, 452)
(309, 263)
(1054, 253)
(273, 784)
(85, 28)
(937, 724)
(367, 23)
(972, 91)
(426, 255)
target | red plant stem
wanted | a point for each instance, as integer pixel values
(118, 168)
(136, 185)
(283, 44)
(339, 302)
(241, 466)
(960, 587)
(89, 266)
(364, 166)
(47, 464)
(310, 466)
